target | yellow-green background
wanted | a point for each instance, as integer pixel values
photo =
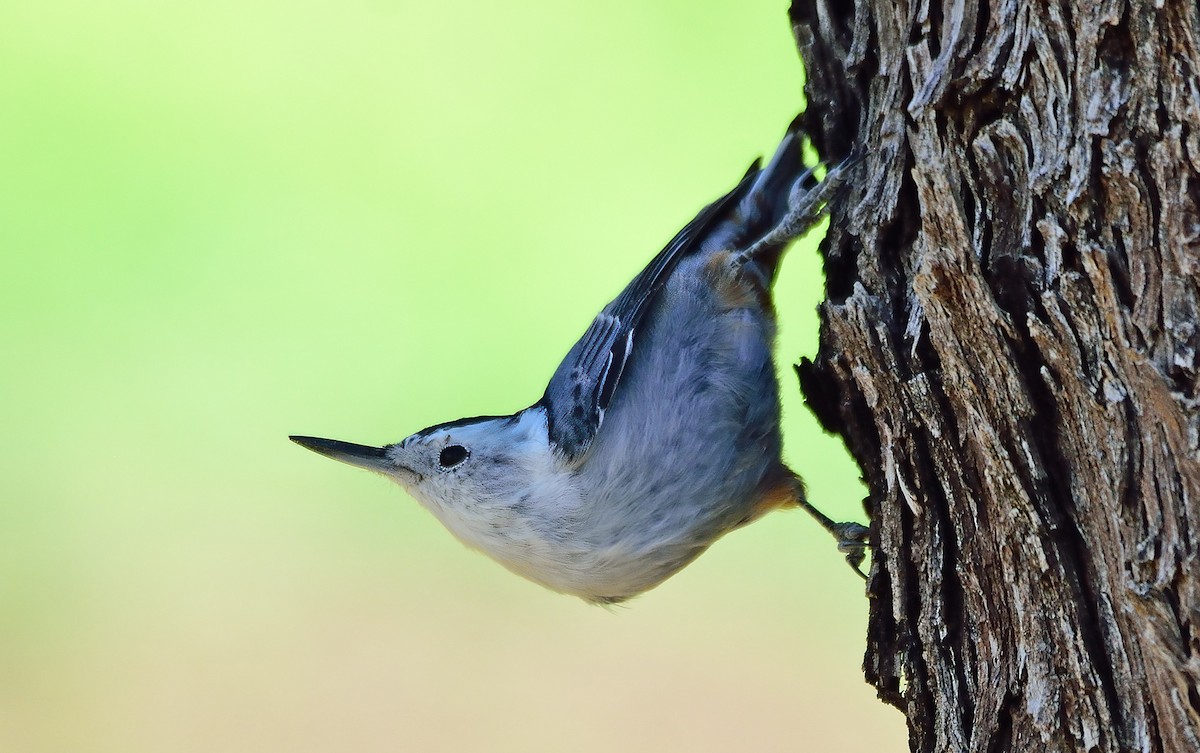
(225, 222)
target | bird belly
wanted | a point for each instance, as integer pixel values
(690, 448)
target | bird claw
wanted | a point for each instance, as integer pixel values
(851, 537)
(852, 542)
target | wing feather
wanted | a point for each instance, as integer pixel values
(586, 381)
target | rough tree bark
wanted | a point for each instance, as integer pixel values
(1009, 347)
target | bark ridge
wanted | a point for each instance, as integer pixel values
(1009, 346)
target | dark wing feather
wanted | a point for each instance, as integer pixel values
(586, 380)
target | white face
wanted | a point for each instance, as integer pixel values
(493, 481)
(459, 464)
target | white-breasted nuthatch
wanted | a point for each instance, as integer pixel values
(658, 433)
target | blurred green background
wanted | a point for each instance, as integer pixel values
(226, 222)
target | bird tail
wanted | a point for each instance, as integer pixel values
(783, 202)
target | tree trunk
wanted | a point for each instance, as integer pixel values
(1009, 347)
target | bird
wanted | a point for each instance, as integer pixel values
(659, 431)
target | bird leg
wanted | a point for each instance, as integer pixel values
(851, 537)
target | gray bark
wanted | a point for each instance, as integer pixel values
(1009, 347)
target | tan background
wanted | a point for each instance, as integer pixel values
(230, 222)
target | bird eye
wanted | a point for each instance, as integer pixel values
(452, 455)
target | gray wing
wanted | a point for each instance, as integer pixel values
(582, 387)
(756, 210)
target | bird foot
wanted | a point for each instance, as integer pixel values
(852, 542)
(851, 537)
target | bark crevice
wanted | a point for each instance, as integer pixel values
(1010, 348)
